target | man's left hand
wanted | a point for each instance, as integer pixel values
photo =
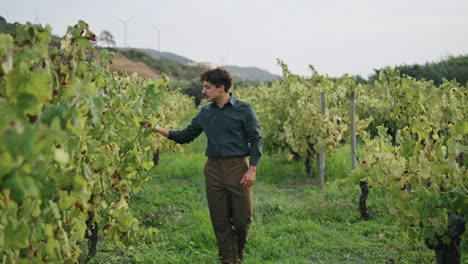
(248, 179)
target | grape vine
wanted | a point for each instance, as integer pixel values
(72, 150)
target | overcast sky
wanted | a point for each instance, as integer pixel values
(336, 36)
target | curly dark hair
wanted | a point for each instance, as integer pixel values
(218, 76)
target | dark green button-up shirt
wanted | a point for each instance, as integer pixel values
(232, 131)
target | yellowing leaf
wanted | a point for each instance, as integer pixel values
(61, 156)
(6, 52)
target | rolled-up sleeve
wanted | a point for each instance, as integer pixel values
(254, 136)
(188, 134)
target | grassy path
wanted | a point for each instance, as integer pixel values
(291, 224)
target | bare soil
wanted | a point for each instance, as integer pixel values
(122, 63)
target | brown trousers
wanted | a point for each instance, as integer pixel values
(230, 205)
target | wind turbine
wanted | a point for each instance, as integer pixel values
(159, 38)
(36, 20)
(125, 28)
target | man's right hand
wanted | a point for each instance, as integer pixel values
(146, 125)
(161, 130)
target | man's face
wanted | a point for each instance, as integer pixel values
(211, 92)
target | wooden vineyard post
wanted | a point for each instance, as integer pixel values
(322, 166)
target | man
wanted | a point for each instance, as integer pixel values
(233, 132)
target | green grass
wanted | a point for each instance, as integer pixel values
(295, 222)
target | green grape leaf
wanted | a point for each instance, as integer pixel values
(65, 201)
(8, 116)
(52, 112)
(29, 104)
(16, 79)
(6, 53)
(17, 233)
(21, 186)
(39, 85)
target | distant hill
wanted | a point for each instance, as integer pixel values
(163, 55)
(179, 71)
(247, 73)
(251, 73)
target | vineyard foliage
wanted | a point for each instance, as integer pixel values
(292, 120)
(72, 150)
(414, 138)
(422, 167)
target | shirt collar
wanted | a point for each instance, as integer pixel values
(232, 101)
